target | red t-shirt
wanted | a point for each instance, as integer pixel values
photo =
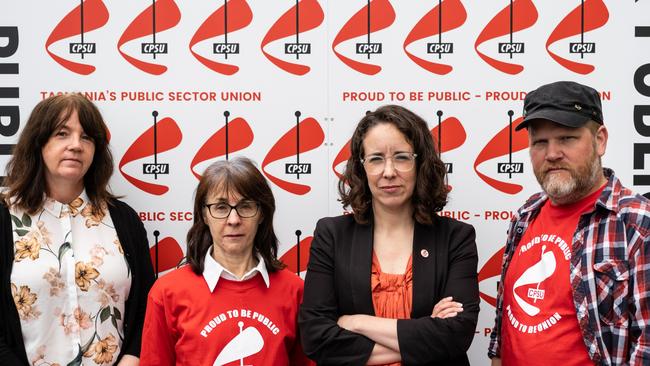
(238, 323)
(540, 326)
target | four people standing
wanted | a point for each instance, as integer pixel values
(391, 283)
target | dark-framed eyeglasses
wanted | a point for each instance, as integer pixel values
(402, 162)
(221, 210)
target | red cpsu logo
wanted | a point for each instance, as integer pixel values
(170, 254)
(230, 17)
(88, 16)
(302, 17)
(163, 136)
(590, 15)
(436, 22)
(159, 16)
(519, 15)
(375, 16)
(291, 259)
(449, 135)
(490, 269)
(307, 135)
(503, 145)
(234, 136)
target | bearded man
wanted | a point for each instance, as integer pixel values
(575, 282)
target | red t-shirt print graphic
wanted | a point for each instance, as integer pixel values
(540, 325)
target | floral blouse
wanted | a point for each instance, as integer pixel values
(69, 282)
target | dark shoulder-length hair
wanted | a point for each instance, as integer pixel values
(430, 193)
(238, 175)
(25, 172)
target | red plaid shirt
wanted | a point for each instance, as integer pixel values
(610, 274)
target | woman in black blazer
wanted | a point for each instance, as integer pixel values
(395, 183)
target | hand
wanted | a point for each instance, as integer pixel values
(446, 308)
(496, 361)
(128, 360)
(347, 322)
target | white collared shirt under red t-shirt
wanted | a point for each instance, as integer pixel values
(217, 318)
(540, 326)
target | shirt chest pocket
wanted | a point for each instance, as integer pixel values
(612, 287)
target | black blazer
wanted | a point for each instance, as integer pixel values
(133, 238)
(338, 283)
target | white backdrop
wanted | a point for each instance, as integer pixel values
(261, 87)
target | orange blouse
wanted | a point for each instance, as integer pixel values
(392, 294)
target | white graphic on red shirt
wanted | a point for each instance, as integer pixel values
(248, 342)
(537, 273)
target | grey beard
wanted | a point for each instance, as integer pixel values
(561, 192)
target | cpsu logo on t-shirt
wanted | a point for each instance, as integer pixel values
(163, 136)
(375, 16)
(586, 17)
(232, 16)
(159, 16)
(502, 147)
(305, 136)
(86, 17)
(304, 16)
(519, 15)
(444, 17)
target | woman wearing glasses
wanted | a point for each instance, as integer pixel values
(234, 301)
(394, 283)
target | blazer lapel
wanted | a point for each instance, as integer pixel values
(424, 270)
(360, 268)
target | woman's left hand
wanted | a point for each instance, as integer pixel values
(128, 360)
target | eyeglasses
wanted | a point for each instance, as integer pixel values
(221, 210)
(402, 162)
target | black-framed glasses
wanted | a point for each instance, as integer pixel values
(375, 164)
(221, 210)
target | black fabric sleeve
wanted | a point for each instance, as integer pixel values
(322, 339)
(142, 271)
(433, 340)
(10, 333)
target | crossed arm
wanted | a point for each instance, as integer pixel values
(331, 339)
(383, 331)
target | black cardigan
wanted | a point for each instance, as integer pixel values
(133, 238)
(338, 283)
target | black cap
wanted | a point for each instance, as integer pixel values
(564, 102)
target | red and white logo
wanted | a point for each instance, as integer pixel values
(589, 15)
(490, 270)
(302, 17)
(165, 254)
(297, 257)
(163, 136)
(305, 136)
(158, 17)
(519, 15)
(375, 16)
(232, 16)
(444, 17)
(504, 143)
(88, 16)
(234, 136)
